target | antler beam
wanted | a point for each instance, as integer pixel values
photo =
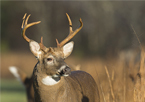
(71, 32)
(25, 26)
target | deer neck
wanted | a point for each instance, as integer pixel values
(43, 77)
(45, 85)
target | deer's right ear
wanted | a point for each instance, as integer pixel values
(67, 49)
(35, 48)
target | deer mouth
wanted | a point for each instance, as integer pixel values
(64, 71)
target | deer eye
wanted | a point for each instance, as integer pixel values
(49, 59)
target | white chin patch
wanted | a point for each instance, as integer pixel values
(49, 80)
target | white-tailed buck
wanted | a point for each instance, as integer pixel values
(53, 80)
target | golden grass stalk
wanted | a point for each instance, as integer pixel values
(124, 87)
(112, 78)
(139, 89)
(110, 83)
(100, 86)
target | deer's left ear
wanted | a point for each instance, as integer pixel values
(67, 49)
(35, 48)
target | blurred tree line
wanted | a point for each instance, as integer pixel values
(107, 24)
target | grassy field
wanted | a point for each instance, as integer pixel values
(119, 79)
(12, 91)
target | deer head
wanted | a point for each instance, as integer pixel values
(52, 58)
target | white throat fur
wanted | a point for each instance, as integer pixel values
(50, 80)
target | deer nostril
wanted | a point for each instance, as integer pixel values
(67, 70)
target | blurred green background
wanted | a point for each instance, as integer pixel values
(106, 31)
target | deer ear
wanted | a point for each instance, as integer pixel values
(35, 48)
(67, 49)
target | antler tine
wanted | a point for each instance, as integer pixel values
(42, 47)
(23, 20)
(71, 32)
(41, 40)
(70, 23)
(25, 26)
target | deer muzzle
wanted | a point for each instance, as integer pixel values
(64, 71)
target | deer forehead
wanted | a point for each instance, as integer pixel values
(54, 52)
(57, 60)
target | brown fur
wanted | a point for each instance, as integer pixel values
(79, 86)
(27, 82)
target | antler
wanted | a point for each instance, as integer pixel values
(25, 26)
(42, 47)
(71, 34)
